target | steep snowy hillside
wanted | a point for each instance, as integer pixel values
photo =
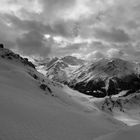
(106, 77)
(9, 55)
(34, 108)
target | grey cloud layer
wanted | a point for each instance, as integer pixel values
(115, 23)
(112, 35)
(33, 42)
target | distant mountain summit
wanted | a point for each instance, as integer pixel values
(62, 68)
(106, 77)
(104, 68)
(71, 60)
(59, 69)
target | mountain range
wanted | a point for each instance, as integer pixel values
(34, 106)
(104, 77)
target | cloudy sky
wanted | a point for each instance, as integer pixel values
(90, 29)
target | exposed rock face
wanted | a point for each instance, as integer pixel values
(106, 78)
(123, 103)
(44, 87)
(1, 46)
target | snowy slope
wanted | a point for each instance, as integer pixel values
(133, 133)
(29, 113)
(123, 108)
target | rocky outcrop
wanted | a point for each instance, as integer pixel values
(1, 46)
(8, 54)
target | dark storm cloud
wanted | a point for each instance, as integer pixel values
(113, 23)
(8, 35)
(60, 28)
(30, 40)
(76, 46)
(26, 36)
(57, 4)
(112, 35)
(32, 26)
(55, 8)
(33, 43)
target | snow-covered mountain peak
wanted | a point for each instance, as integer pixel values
(59, 69)
(106, 77)
(113, 67)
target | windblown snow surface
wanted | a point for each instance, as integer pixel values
(132, 133)
(29, 113)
